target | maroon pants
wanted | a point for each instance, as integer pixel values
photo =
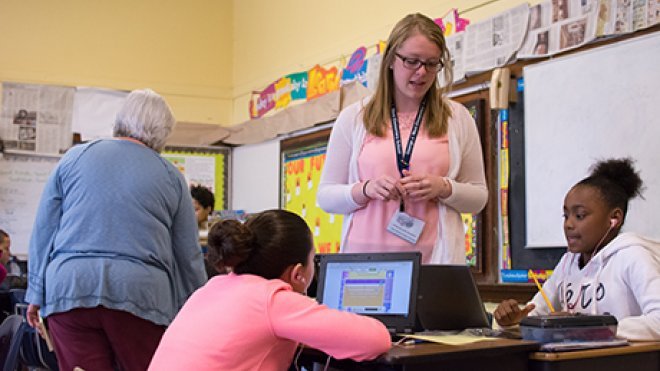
(100, 339)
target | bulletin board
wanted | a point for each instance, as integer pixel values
(207, 166)
(302, 161)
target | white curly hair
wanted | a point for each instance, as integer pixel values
(146, 117)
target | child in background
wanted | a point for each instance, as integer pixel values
(5, 242)
(604, 271)
(15, 269)
(203, 201)
(254, 317)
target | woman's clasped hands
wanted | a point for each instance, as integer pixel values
(384, 188)
(425, 187)
(413, 187)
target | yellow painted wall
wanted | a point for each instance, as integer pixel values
(275, 38)
(181, 49)
(204, 56)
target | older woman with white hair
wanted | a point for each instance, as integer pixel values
(114, 252)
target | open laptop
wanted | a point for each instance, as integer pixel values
(379, 285)
(448, 300)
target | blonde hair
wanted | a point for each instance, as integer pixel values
(377, 111)
(146, 117)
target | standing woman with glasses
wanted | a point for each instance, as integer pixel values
(403, 164)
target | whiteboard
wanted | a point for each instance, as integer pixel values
(22, 180)
(591, 105)
(255, 176)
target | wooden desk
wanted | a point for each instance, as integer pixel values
(638, 356)
(495, 355)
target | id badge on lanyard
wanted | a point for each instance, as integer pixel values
(401, 224)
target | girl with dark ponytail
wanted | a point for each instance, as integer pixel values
(604, 270)
(254, 317)
(265, 245)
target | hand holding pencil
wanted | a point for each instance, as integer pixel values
(545, 297)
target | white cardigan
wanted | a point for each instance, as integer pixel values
(466, 174)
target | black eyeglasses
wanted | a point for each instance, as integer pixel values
(414, 63)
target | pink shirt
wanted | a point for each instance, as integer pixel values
(245, 322)
(368, 231)
(466, 175)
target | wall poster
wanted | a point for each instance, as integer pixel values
(203, 166)
(300, 172)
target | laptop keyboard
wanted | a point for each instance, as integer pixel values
(495, 333)
(487, 332)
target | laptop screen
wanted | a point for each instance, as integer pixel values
(380, 285)
(448, 299)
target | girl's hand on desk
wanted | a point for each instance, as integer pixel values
(509, 313)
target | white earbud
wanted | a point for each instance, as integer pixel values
(613, 223)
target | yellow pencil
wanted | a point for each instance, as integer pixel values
(545, 297)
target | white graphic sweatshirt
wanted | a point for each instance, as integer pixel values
(622, 279)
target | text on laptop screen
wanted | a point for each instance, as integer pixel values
(373, 287)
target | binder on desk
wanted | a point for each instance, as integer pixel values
(569, 328)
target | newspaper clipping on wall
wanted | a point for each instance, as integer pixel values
(36, 118)
(559, 25)
(494, 42)
(617, 17)
(488, 44)
(455, 45)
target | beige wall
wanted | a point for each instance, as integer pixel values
(204, 56)
(181, 49)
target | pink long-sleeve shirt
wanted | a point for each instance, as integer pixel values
(246, 322)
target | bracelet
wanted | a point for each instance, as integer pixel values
(364, 189)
